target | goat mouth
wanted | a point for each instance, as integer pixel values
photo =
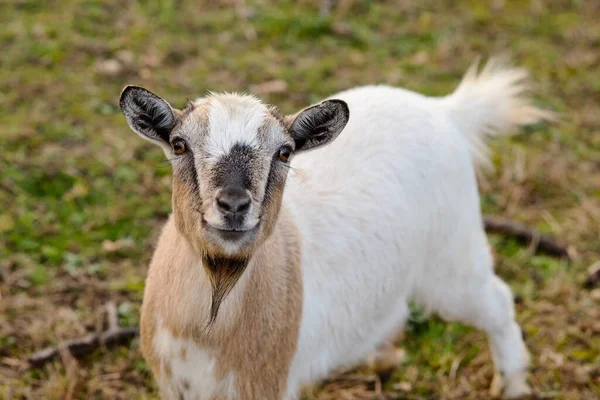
(231, 234)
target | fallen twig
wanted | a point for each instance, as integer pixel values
(85, 345)
(593, 276)
(539, 242)
(112, 316)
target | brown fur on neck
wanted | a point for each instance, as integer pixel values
(242, 337)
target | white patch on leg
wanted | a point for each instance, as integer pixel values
(509, 351)
(192, 369)
(515, 385)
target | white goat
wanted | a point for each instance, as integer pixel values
(254, 291)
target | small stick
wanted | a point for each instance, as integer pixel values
(112, 316)
(81, 346)
(539, 242)
(84, 345)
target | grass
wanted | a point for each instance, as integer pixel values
(83, 198)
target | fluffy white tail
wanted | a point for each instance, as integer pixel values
(491, 102)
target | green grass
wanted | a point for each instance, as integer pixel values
(74, 179)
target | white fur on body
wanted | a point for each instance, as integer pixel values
(389, 213)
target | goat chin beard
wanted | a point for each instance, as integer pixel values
(223, 273)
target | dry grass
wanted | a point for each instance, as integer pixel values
(83, 198)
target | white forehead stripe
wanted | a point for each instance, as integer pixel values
(233, 119)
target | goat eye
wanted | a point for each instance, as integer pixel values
(178, 146)
(284, 153)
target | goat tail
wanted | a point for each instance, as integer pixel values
(492, 102)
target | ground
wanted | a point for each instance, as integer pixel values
(83, 198)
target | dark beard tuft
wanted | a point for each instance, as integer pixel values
(223, 273)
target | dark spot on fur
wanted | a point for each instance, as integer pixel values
(192, 174)
(187, 173)
(235, 168)
(274, 180)
(168, 371)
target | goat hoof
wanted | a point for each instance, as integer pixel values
(517, 391)
(386, 359)
(496, 386)
(515, 387)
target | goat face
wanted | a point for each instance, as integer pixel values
(230, 156)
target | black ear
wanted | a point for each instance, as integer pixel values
(318, 125)
(147, 114)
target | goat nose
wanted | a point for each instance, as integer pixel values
(233, 200)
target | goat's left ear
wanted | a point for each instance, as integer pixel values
(318, 125)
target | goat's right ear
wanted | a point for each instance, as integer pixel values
(147, 114)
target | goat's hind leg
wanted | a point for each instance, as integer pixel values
(484, 301)
(510, 354)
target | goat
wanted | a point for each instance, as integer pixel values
(255, 291)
